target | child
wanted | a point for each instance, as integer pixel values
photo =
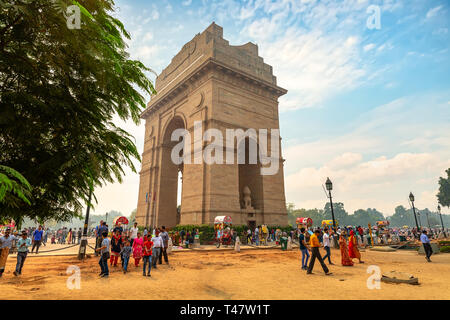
(125, 253)
(116, 246)
(148, 243)
(22, 251)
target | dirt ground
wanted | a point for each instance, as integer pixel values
(251, 274)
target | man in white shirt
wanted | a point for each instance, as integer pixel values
(158, 244)
(133, 233)
(326, 246)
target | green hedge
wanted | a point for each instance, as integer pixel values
(444, 243)
(445, 249)
(207, 233)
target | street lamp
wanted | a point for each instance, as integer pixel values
(329, 186)
(442, 223)
(84, 241)
(428, 222)
(411, 198)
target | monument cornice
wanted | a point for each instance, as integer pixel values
(158, 101)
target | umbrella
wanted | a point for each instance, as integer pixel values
(122, 220)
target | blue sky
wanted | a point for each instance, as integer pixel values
(370, 108)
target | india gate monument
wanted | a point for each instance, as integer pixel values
(211, 84)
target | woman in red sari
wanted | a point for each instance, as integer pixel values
(345, 259)
(353, 251)
(137, 249)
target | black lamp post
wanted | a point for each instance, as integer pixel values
(442, 223)
(329, 186)
(84, 241)
(428, 222)
(411, 198)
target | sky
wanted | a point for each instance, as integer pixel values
(368, 103)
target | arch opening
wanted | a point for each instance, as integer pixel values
(171, 185)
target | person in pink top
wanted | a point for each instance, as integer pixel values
(137, 249)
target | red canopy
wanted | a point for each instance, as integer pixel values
(122, 220)
(305, 221)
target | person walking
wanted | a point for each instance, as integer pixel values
(158, 244)
(182, 235)
(79, 236)
(249, 236)
(5, 245)
(104, 255)
(426, 245)
(326, 245)
(116, 247)
(133, 233)
(69, 236)
(315, 253)
(147, 256)
(345, 259)
(125, 253)
(165, 238)
(45, 238)
(137, 249)
(304, 248)
(353, 251)
(22, 252)
(98, 236)
(37, 238)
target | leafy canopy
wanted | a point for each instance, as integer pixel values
(444, 190)
(60, 90)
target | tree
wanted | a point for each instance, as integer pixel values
(402, 217)
(363, 217)
(290, 207)
(132, 216)
(444, 190)
(60, 89)
(340, 215)
(14, 188)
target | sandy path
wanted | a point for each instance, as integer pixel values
(251, 274)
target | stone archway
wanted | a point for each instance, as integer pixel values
(168, 179)
(219, 86)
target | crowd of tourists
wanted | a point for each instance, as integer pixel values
(130, 243)
(117, 246)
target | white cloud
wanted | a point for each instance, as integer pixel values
(391, 150)
(186, 3)
(369, 46)
(432, 12)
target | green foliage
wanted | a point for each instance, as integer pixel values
(14, 188)
(445, 249)
(444, 243)
(207, 232)
(444, 190)
(60, 90)
(132, 217)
